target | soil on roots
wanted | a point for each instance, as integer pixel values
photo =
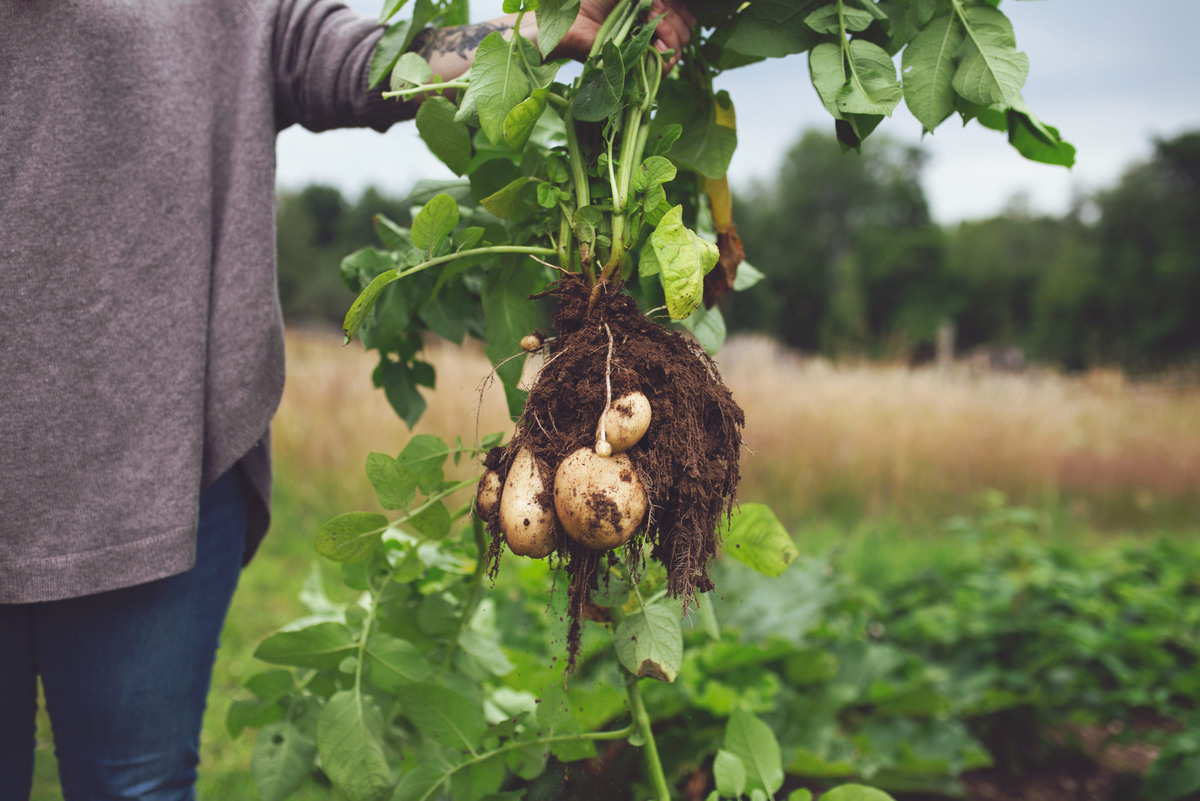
(687, 460)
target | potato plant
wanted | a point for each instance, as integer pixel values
(592, 224)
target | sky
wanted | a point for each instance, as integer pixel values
(1111, 75)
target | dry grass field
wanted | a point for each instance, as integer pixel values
(821, 439)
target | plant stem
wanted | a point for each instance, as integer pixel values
(426, 87)
(468, 611)
(641, 720)
(464, 254)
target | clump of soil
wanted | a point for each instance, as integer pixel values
(687, 460)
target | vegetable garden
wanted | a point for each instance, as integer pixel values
(592, 224)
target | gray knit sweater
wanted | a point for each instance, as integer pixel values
(142, 353)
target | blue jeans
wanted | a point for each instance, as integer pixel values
(125, 673)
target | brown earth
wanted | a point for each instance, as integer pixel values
(602, 349)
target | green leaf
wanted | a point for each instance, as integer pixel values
(432, 522)
(390, 9)
(872, 87)
(269, 688)
(729, 774)
(654, 170)
(708, 618)
(708, 327)
(283, 756)
(601, 89)
(992, 70)
(443, 715)
(554, 19)
(685, 259)
(478, 781)
(450, 141)
(400, 387)
(393, 236)
(363, 303)
(704, 146)
(434, 223)
(388, 51)
(350, 741)
(855, 792)
(747, 276)
(392, 662)
(803, 794)
(771, 29)
(424, 456)
(752, 741)
(758, 540)
(394, 485)
(420, 783)
(1035, 140)
(504, 202)
(649, 643)
(928, 69)
(521, 121)
(322, 646)
(509, 315)
(613, 591)
(497, 85)
(410, 70)
(586, 225)
(486, 651)
(825, 19)
(827, 67)
(350, 537)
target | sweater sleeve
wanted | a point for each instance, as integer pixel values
(321, 53)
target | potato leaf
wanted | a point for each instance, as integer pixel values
(434, 223)
(685, 259)
(992, 70)
(447, 139)
(649, 643)
(928, 69)
(758, 540)
(497, 85)
(283, 756)
(350, 742)
(442, 715)
(753, 742)
(520, 122)
(322, 646)
(350, 537)
(554, 19)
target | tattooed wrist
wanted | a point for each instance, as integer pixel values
(460, 40)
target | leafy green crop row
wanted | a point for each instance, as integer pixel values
(906, 686)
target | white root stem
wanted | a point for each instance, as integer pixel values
(602, 444)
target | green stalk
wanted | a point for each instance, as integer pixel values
(463, 254)
(619, 12)
(641, 720)
(464, 619)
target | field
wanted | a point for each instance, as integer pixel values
(866, 462)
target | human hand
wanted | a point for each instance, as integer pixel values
(674, 28)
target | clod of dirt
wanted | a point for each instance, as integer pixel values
(687, 460)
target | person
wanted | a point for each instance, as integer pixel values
(143, 356)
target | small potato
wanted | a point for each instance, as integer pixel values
(527, 522)
(532, 343)
(600, 502)
(487, 493)
(626, 421)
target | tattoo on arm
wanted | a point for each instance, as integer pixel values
(461, 40)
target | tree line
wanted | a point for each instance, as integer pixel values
(855, 265)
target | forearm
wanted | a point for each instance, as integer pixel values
(450, 51)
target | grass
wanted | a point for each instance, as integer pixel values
(864, 460)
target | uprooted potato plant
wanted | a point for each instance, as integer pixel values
(591, 222)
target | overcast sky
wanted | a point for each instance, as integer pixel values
(1109, 74)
